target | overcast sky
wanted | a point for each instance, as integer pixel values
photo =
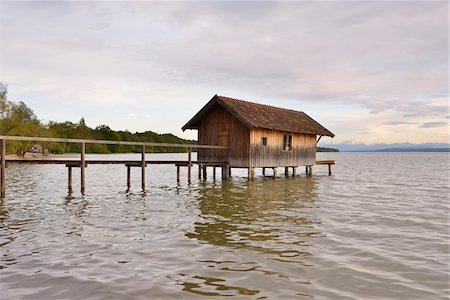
(373, 71)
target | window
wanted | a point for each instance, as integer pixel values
(287, 142)
(264, 141)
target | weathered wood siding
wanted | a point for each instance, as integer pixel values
(219, 127)
(303, 151)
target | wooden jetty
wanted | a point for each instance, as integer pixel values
(82, 163)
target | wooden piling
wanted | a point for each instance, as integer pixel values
(274, 172)
(264, 171)
(306, 170)
(128, 177)
(2, 168)
(225, 171)
(69, 179)
(199, 171)
(286, 171)
(329, 169)
(294, 170)
(143, 167)
(205, 172)
(310, 170)
(214, 173)
(178, 173)
(251, 173)
(82, 167)
(189, 164)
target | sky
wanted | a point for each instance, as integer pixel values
(369, 71)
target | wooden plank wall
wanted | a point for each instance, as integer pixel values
(219, 127)
(303, 151)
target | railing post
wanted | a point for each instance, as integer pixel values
(143, 167)
(2, 167)
(82, 167)
(189, 163)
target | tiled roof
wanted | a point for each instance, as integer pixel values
(265, 116)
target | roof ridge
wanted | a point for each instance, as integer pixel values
(252, 102)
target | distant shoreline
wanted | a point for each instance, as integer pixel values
(402, 150)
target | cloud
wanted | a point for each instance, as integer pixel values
(167, 59)
(433, 124)
(395, 123)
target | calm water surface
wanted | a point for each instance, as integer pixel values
(377, 229)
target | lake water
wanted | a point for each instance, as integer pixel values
(378, 228)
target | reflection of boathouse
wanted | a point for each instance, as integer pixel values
(257, 135)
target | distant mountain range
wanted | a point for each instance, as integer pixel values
(396, 147)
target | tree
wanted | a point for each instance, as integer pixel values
(17, 119)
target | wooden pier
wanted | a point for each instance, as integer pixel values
(82, 163)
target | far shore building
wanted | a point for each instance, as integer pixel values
(258, 136)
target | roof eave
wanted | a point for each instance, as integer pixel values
(191, 123)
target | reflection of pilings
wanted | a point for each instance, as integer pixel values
(249, 215)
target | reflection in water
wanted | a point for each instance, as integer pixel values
(361, 234)
(273, 219)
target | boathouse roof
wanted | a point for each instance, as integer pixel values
(255, 115)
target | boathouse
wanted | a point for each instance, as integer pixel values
(258, 136)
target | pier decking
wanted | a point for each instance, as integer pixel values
(82, 163)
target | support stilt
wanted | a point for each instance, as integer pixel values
(274, 173)
(264, 171)
(214, 173)
(189, 164)
(178, 173)
(205, 173)
(225, 171)
(199, 171)
(294, 170)
(82, 167)
(69, 179)
(2, 168)
(128, 177)
(329, 169)
(251, 173)
(286, 171)
(143, 167)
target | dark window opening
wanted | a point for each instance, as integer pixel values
(287, 142)
(264, 141)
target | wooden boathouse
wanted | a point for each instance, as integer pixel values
(256, 135)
